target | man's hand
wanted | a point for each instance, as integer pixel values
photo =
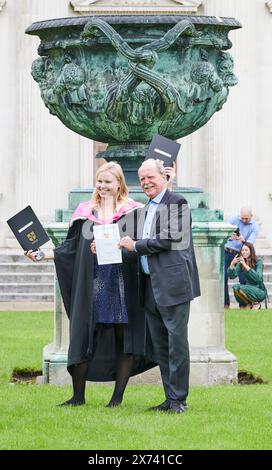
(170, 172)
(127, 242)
(237, 239)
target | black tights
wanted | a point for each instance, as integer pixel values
(124, 364)
(79, 374)
(123, 369)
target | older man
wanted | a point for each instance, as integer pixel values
(170, 280)
(248, 232)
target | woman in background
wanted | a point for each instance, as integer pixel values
(251, 294)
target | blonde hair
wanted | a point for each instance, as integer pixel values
(115, 169)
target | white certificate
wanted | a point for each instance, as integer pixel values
(107, 238)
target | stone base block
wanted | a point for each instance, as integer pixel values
(58, 374)
(213, 366)
(209, 366)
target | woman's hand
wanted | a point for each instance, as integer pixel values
(235, 260)
(46, 255)
(243, 263)
(31, 255)
(93, 247)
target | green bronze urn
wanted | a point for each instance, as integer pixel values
(122, 79)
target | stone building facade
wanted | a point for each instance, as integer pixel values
(42, 160)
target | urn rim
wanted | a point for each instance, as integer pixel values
(43, 25)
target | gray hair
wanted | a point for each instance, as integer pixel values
(157, 163)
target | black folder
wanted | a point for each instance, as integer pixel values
(163, 149)
(28, 229)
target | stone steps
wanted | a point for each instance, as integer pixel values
(267, 277)
(25, 287)
(24, 277)
(26, 297)
(29, 267)
(23, 281)
(268, 268)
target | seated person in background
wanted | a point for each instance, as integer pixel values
(247, 231)
(251, 294)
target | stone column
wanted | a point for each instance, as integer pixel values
(192, 161)
(8, 93)
(48, 150)
(221, 157)
(231, 133)
(263, 180)
(55, 353)
(44, 160)
(211, 362)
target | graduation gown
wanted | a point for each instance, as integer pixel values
(88, 342)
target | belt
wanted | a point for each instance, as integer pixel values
(233, 252)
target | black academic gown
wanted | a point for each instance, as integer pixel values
(75, 267)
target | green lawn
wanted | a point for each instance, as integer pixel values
(222, 417)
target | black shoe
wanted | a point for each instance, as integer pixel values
(72, 402)
(114, 403)
(177, 407)
(162, 407)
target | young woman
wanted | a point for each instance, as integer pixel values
(108, 338)
(251, 294)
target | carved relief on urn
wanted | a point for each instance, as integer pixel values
(124, 79)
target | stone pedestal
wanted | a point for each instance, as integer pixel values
(211, 363)
(196, 198)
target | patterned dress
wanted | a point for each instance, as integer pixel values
(109, 295)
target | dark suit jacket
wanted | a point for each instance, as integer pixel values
(170, 252)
